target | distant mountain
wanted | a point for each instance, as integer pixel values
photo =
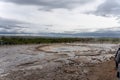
(108, 32)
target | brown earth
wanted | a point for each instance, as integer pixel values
(71, 71)
(103, 71)
(46, 64)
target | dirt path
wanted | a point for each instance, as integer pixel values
(103, 71)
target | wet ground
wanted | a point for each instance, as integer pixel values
(68, 61)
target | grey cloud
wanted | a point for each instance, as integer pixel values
(109, 8)
(51, 4)
(10, 26)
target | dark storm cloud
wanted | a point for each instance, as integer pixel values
(51, 4)
(108, 8)
(10, 26)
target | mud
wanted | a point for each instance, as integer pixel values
(73, 61)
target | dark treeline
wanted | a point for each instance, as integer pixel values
(37, 40)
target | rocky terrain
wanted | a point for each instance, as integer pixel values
(65, 61)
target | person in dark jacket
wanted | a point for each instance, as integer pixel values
(117, 61)
(117, 57)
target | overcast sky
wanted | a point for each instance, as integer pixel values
(58, 16)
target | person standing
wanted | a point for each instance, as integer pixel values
(117, 62)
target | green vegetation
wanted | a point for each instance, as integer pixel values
(37, 40)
